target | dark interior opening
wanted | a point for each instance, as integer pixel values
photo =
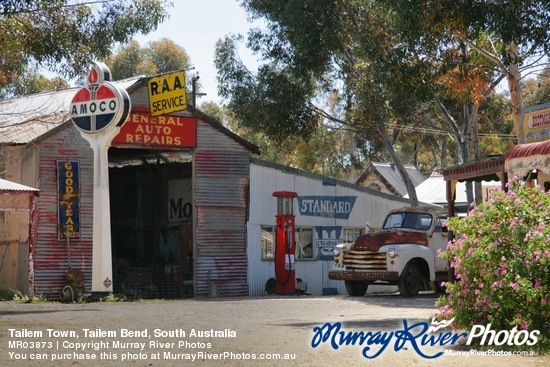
(151, 223)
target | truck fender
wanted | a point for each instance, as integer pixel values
(405, 253)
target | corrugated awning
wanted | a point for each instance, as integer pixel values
(524, 158)
(525, 150)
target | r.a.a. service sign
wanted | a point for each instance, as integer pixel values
(167, 93)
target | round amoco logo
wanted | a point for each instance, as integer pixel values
(100, 105)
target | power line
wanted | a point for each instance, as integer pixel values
(435, 131)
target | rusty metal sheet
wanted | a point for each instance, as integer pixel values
(373, 241)
(49, 256)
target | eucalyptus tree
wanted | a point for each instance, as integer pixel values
(64, 36)
(513, 36)
(347, 51)
(155, 57)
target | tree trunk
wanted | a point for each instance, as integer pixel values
(411, 190)
(514, 78)
(444, 152)
(466, 148)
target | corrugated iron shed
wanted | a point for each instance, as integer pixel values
(39, 129)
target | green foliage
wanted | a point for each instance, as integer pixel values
(30, 81)
(275, 102)
(65, 37)
(501, 260)
(25, 298)
(156, 57)
(7, 294)
(111, 298)
(537, 91)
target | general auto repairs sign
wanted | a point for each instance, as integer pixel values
(160, 132)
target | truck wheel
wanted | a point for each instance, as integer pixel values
(410, 280)
(356, 289)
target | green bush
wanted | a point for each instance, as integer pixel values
(501, 258)
(7, 294)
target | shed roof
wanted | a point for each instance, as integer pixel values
(26, 119)
(328, 181)
(389, 175)
(9, 186)
(434, 190)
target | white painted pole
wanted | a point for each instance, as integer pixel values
(102, 271)
(107, 105)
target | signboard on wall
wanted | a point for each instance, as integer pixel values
(536, 123)
(167, 93)
(68, 203)
(338, 207)
(180, 200)
(327, 239)
(157, 132)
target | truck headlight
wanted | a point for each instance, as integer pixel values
(339, 248)
(392, 252)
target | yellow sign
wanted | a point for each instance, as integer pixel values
(536, 123)
(167, 93)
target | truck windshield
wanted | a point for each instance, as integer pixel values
(420, 221)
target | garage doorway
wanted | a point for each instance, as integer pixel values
(151, 199)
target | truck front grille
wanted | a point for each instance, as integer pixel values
(365, 260)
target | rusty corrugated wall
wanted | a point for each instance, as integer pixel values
(221, 171)
(221, 177)
(50, 257)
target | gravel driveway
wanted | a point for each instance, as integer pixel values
(236, 331)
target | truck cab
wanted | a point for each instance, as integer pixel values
(403, 253)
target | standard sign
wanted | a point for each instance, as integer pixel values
(167, 93)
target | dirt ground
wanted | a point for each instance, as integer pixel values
(249, 328)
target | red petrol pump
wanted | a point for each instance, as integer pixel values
(285, 243)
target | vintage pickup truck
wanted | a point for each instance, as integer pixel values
(403, 253)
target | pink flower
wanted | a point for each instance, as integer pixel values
(514, 285)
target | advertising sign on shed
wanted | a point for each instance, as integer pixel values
(536, 123)
(157, 132)
(167, 93)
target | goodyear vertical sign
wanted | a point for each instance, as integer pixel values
(167, 93)
(68, 204)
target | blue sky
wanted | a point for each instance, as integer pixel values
(196, 25)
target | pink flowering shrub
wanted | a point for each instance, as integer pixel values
(501, 257)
